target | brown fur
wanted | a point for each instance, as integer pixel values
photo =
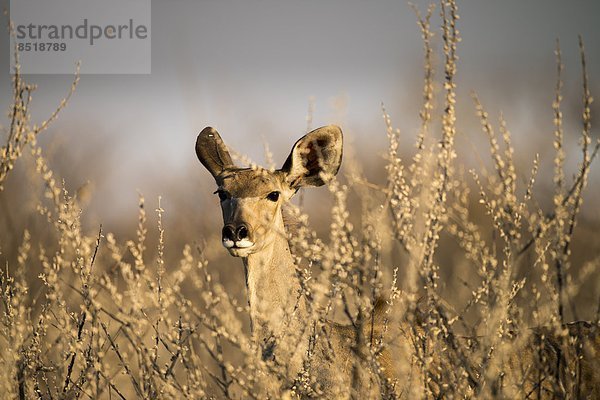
(555, 365)
(278, 311)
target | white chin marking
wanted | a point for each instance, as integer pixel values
(228, 243)
(244, 243)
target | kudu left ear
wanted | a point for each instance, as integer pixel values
(315, 158)
(212, 152)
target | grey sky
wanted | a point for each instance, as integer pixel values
(249, 68)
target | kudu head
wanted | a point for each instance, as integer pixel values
(252, 198)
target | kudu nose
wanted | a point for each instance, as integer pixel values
(235, 234)
(242, 232)
(228, 233)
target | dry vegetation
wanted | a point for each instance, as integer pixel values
(88, 315)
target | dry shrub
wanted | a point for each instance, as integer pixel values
(88, 315)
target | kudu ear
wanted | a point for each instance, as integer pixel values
(315, 158)
(212, 152)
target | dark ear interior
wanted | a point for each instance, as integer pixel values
(315, 158)
(212, 152)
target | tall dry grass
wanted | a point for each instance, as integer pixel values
(90, 315)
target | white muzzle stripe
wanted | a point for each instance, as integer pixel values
(243, 244)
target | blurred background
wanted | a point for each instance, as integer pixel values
(254, 69)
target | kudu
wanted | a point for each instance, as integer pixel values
(251, 202)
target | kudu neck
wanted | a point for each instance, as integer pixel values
(274, 293)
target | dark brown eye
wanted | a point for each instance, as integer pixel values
(273, 196)
(223, 195)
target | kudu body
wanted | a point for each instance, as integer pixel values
(251, 202)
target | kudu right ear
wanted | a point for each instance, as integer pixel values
(315, 158)
(212, 152)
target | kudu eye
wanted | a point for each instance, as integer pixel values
(223, 195)
(273, 196)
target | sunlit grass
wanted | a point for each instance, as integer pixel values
(91, 315)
